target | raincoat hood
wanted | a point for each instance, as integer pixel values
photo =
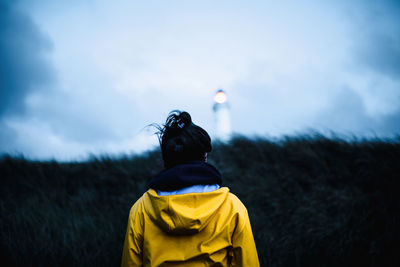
(184, 214)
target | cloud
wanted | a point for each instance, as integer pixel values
(35, 139)
(376, 33)
(374, 69)
(390, 124)
(380, 53)
(50, 109)
(24, 66)
(345, 111)
(347, 114)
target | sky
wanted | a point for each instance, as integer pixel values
(86, 77)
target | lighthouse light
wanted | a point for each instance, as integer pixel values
(220, 97)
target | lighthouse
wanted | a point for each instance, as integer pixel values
(222, 116)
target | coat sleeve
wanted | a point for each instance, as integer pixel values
(244, 252)
(132, 254)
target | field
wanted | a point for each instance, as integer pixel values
(312, 201)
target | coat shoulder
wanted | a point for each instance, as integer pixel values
(237, 203)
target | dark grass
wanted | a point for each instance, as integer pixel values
(312, 201)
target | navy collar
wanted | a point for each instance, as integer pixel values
(184, 175)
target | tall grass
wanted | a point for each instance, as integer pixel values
(312, 201)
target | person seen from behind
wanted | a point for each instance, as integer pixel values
(187, 218)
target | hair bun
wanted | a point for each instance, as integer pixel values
(184, 119)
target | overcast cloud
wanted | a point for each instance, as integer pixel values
(83, 77)
(24, 68)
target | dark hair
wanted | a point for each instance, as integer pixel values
(181, 140)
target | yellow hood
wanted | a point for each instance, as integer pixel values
(186, 213)
(195, 229)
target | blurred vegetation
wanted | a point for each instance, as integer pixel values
(312, 201)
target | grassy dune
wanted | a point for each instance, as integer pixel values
(312, 201)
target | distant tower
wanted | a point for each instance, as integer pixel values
(222, 116)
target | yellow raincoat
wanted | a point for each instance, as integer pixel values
(194, 229)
